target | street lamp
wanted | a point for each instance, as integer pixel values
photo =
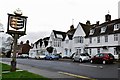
(16, 28)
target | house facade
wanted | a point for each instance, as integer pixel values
(39, 47)
(56, 41)
(68, 49)
(95, 38)
(90, 38)
(79, 37)
(105, 37)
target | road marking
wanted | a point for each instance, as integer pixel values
(87, 65)
(74, 75)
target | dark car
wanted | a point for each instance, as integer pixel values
(103, 58)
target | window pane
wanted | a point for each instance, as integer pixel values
(106, 38)
(115, 37)
(98, 39)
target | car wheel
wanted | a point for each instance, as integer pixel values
(50, 58)
(45, 58)
(80, 60)
(104, 62)
(73, 60)
(35, 57)
(91, 61)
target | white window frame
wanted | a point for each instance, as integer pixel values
(90, 39)
(115, 37)
(116, 27)
(106, 38)
(98, 39)
(78, 50)
(103, 29)
(59, 42)
(66, 51)
(91, 32)
(79, 39)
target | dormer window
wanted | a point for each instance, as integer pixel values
(59, 36)
(103, 29)
(91, 31)
(116, 27)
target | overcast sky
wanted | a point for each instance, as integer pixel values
(47, 15)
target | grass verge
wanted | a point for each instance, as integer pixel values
(19, 75)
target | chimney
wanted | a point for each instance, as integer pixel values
(71, 27)
(107, 17)
(88, 22)
(97, 23)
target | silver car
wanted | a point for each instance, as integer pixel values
(81, 57)
(40, 56)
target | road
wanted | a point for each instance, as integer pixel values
(76, 69)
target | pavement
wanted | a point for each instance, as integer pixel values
(46, 73)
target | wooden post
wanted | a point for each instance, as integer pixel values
(13, 62)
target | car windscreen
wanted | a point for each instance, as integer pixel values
(42, 54)
(83, 54)
(110, 55)
(55, 54)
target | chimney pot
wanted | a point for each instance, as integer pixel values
(97, 23)
(107, 17)
(88, 22)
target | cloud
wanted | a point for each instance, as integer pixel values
(34, 36)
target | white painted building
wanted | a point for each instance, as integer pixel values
(33, 51)
(79, 39)
(119, 9)
(68, 42)
(90, 38)
(56, 41)
(39, 47)
(68, 47)
(105, 38)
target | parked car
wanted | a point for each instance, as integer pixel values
(52, 57)
(23, 56)
(81, 57)
(58, 55)
(40, 56)
(102, 58)
(71, 57)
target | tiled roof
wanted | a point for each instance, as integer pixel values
(70, 33)
(63, 34)
(86, 28)
(46, 39)
(109, 28)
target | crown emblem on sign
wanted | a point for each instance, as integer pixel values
(18, 12)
